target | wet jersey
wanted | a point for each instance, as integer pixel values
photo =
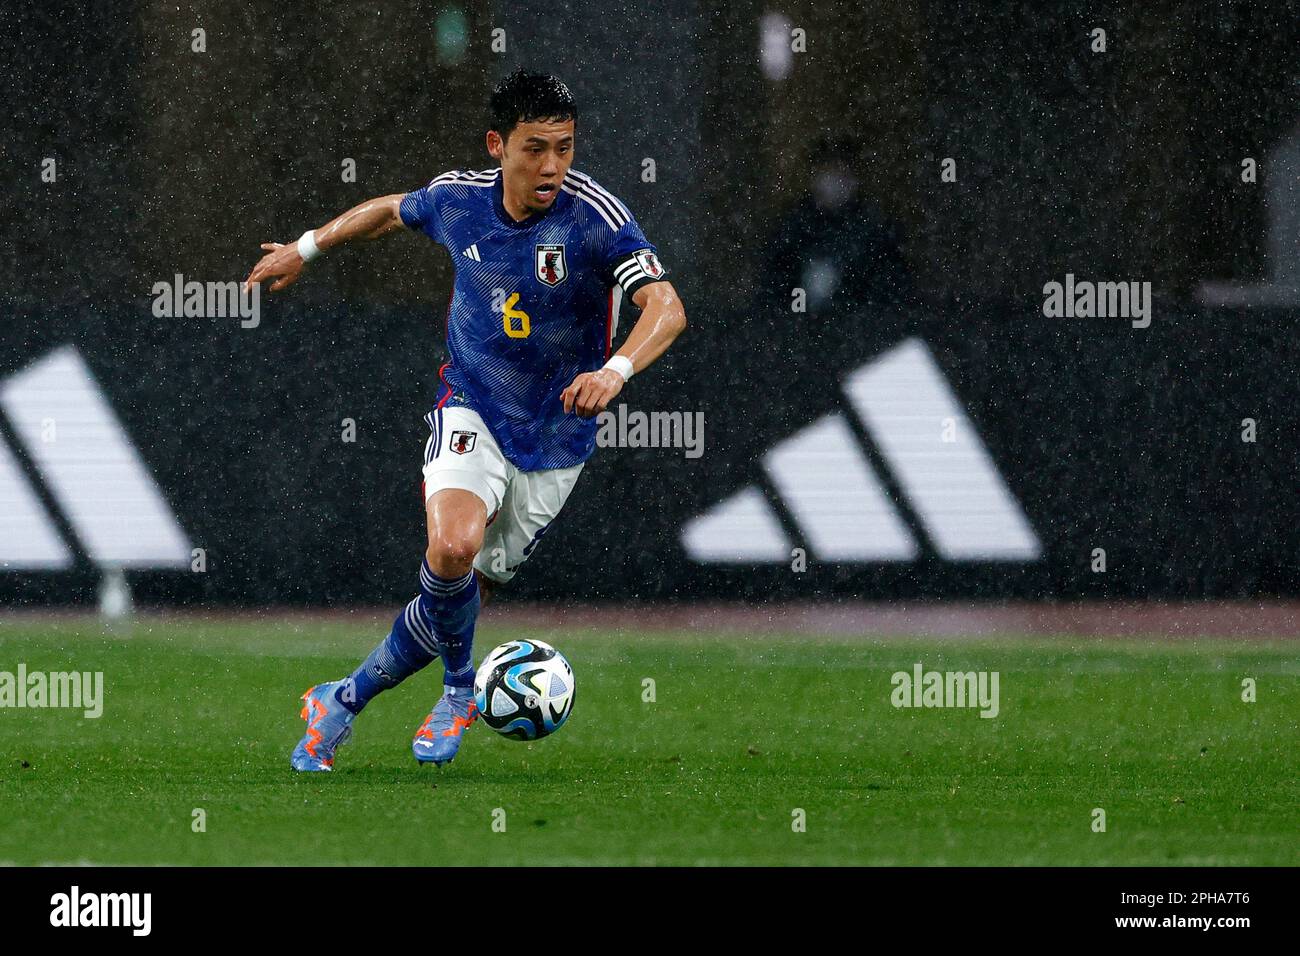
(535, 303)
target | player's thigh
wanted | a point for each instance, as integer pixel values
(532, 502)
(465, 481)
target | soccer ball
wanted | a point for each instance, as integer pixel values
(524, 690)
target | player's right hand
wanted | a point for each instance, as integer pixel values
(591, 392)
(281, 263)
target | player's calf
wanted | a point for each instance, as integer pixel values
(452, 605)
(449, 590)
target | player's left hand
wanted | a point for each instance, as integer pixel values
(281, 263)
(591, 392)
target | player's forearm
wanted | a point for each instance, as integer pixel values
(369, 220)
(663, 318)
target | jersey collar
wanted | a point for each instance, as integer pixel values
(505, 217)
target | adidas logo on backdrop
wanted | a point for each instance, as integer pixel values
(75, 447)
(825, 480)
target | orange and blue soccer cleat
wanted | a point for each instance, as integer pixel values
(329, 726)
(438, 738)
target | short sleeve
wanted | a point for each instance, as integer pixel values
(633, 259)
(419, 210)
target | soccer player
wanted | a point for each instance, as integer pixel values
(543, 257)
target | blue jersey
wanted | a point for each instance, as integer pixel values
(535, 303)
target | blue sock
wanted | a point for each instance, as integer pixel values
(409, 647)
(452, 606)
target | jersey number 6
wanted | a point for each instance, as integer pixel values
(509, 316)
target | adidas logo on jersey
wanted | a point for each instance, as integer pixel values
(843, 510)
(472, 253)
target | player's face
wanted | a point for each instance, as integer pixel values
(534, 162)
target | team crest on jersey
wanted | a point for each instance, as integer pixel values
(462, 443)
(649, 263)
(551, 267)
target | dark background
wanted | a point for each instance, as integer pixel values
(1118, 165)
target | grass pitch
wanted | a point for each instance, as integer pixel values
(743, 732)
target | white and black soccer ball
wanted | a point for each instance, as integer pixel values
(524, 690)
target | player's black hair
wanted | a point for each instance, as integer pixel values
(524, 97)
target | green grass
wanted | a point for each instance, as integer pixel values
(744, 730)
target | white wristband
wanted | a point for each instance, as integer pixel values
(622, 365)
(307, 247)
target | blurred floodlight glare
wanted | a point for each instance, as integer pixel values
(452, 31)
(775, 51)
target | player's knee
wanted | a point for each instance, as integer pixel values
(452, 554)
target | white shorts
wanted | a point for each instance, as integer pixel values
(461, 453)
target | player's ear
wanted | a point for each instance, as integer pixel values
(495, 146)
